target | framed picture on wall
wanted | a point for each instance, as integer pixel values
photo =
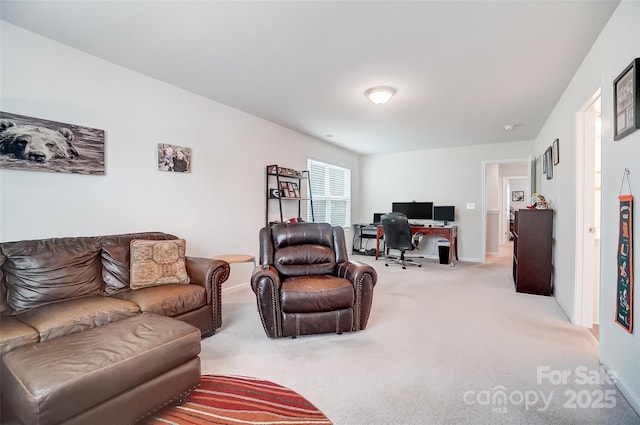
(37, 144)
(548, 162)
(556, 152)
(174, 158)
(626, 101)
(517, 196)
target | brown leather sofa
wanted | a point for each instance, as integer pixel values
(305, 283)
(61, 287)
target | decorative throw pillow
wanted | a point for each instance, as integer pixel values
(156, 263)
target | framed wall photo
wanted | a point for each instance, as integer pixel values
(517, 195)
(548, 162)
(626, 101)
(174, 158)
(556, 152)
(36, 144)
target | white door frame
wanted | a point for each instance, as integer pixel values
(583, 312)
(528, 160)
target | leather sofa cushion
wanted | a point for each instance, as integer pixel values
(168, 300)
(93, 366)
(40, 272)
(71, 316)
(116, 258)
(14, 333)
(307, 294)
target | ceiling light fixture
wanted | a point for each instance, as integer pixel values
(509, 127)
(380, 94)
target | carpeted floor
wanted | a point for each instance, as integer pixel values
(233, 400)
(443, 346)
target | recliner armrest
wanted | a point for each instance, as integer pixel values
(364, 278)
(356, 270)
(260, 272)
(266, 284)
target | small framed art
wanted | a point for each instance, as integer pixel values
(556, 152)
(174, 158)
(517, 196)
(548, 162)
(626, 101)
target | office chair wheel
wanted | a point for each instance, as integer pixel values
(404, 267)
(419, 265)
(386, 265)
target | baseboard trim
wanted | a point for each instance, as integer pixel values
(632, 398)
(236, 286)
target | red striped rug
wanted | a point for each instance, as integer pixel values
(226, 399)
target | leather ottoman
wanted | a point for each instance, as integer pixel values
(113, 374)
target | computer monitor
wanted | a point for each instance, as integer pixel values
(377, 218)
(444, 213)
(414, 210)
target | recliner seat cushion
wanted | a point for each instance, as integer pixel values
(71, 316)
(311, 294)
(40, 272)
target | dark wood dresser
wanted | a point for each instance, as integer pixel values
(532, 251)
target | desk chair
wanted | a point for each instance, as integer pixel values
(397, 235)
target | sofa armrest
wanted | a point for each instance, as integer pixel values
(210, 274)
(364, 278)
(266, 283)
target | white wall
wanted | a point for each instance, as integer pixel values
(615, 48)
(493, 187)
(451, 176)
(218, 208)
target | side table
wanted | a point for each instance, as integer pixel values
(235, 259)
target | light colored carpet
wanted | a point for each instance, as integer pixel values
(442, 345)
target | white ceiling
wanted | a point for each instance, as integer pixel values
(462, 69)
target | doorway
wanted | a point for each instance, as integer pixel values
(588, 199)
(500, 179)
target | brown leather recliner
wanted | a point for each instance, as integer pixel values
(305, 283)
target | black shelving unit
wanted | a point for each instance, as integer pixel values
(285, 185)
(362, 235)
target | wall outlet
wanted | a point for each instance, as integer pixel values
(471, 206)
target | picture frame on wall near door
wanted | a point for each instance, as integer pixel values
(626, 101)
(548, 162)
(517, 196)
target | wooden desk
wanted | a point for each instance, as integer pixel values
(449, 232)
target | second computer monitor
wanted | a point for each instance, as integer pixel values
(414, 210)
(444, 213)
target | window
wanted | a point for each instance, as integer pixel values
(331, 191)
